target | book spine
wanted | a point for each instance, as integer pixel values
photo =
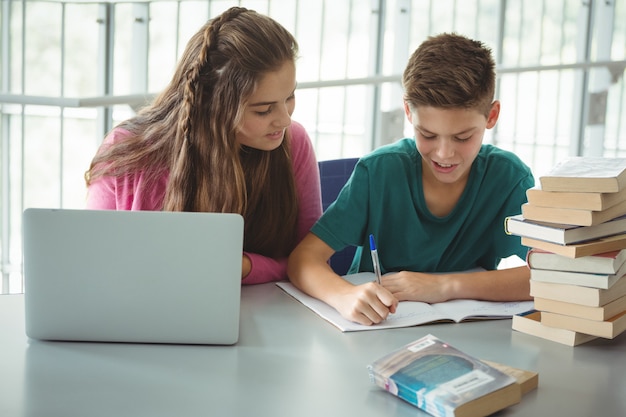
(531, 324)
(555, 262)
(573, 278)
(607, 329)
(571, 309)
(566, 292)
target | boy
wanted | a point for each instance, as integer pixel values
(436, 204)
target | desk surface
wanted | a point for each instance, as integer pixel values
(288, 362)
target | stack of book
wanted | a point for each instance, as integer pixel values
(575, 227)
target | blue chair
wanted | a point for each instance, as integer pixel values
(333, 176)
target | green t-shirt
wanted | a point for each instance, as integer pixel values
(384, 197)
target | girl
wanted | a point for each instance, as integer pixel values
(220, 138)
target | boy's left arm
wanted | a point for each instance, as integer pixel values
(497, 285)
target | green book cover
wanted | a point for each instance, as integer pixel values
(442, 380)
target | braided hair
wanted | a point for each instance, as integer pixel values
(189, 131)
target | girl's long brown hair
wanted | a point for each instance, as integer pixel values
(189, 132)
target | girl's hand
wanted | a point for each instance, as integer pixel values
(246, 266)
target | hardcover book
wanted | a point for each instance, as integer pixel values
(562, 234)
(531, 324)
(583, 279)
(593, 297)
(584, 201)
(600, 313)
(577, 217)
(602, 263)
(607, 329)
(444, 381)
(577, 250)
(586, 174)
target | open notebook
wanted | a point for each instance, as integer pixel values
(132, 276)
(411, 313)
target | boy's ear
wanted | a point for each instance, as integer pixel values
(407, 111)
(493, 115)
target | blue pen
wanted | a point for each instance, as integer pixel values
(375, 260)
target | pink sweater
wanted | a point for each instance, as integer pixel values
(127, 193)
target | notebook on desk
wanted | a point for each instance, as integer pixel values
(132, 276)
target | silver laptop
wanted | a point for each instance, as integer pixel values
(132, 276)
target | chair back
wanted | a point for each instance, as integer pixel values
(333, 176)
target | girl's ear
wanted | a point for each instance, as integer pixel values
(493, 115)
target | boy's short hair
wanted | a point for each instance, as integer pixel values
(450, 71)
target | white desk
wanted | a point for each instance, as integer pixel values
(289, 362)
